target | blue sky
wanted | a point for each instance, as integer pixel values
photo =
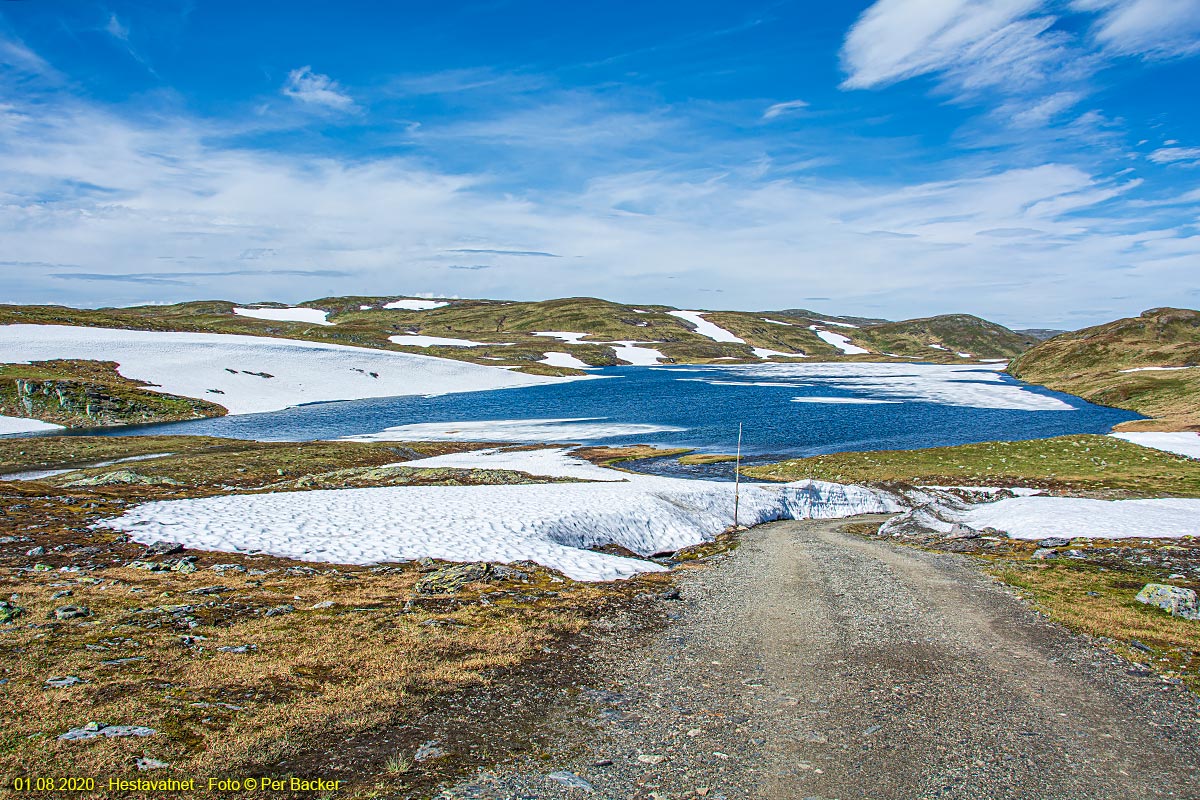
(1036, 162)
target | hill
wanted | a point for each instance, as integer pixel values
(959, 334)
(1149, 364)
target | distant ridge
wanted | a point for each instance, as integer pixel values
(1149, 364)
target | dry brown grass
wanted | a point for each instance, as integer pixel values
(1100, 603)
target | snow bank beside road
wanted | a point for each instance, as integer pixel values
(552, 524)
(250, 374)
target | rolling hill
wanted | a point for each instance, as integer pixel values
(1149, 364)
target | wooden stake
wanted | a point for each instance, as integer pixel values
(737, 477)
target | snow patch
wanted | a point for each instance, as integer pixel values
(1185, 443)
(706, 328)
(513, 430)
(1039, 517)
(1156, 369)
(837, 340)
(414, 340)
(251, 374)
(555, 359)
(313, 316)
(839, 324)
(413, 304)
(763, 352)
(569, 337)
(637, 356)
(555, 462)
(11, 425)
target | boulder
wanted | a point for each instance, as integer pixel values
(1054, 541)
(1175, 600)
(72, 612)
(448, 580)
(9, 611)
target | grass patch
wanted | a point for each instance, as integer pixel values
(1099, 602)
(1092, 464)
(706, 458)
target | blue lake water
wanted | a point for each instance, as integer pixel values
(694, 407)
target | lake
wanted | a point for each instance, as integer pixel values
(785, 410)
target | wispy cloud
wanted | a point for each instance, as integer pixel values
(192, 278)
(116, 29)
(1175, 155)
(780, 109)
(314, 89)
(533, 253)
(1149, 28)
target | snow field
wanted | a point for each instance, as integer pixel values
(837, 340)
(557, 359)
(1184, 443)
(413, 304)
(579, 429)
(313, 316)
(11, 425)
(414, 340)
(1039, 517)
(552, 524)
(251, 374)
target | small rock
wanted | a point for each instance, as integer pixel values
(1044, 553)
(240, 648)
(144, 764)
(223, 568)
(1136, 645)
(429, 751)
(1054, 541)
(670, 594)
(185, 565)
(323, 604)
(205, 590)
(962, 532)
(36, 551)
(570, 780)
(651, 758)
(1175, 600)
(93, 730)
(61, 594)
(64, 682)
(278, 610)
(72, 612)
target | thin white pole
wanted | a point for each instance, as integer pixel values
(737, 477)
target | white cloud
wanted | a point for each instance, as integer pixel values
(1173, 155)
(116, 29)
(305, 86)
(1151, 28)
(779, 109)
(972, 44)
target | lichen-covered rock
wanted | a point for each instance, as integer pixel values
(1175, 600)
(448, 580)
(9, 611)
(72, 612)
(124, 476)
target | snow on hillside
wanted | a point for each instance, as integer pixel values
(250, 374)
(414, 304)
(837, 340)
(415, 340)
(1184, 443)
(763, 352)
(10, 425)
(706, 328)
(313, 316)
(570, 337)
(552, 524)
(635, 355)
(556, 359)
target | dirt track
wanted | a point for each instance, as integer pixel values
(811, 663)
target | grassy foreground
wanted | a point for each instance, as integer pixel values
(1077, 464)
(247, 665)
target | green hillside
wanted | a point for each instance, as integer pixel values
(1117, 364)
(956, 333)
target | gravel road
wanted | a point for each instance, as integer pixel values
(811, 663)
